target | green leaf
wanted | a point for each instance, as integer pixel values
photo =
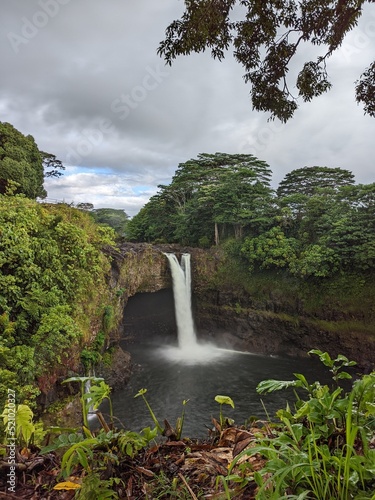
(224, 400)
(323, 356)
(141, 392)
(149, 434)
(24, 420)
(344, 375)
(271, 385)
(302, 378)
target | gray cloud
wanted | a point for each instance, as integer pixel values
(83, 77)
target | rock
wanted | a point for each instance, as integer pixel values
(117, 374)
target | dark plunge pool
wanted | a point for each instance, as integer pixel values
(172, 375)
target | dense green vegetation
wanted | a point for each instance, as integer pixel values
(210, 198)
(115, 218)
(317, 224)
(52, 284)
(23, 166)
(21, 163)
(322, 449)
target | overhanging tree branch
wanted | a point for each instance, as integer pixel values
(263, 52)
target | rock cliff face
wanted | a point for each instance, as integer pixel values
(229, 315)
(236, 319)
(137, 268)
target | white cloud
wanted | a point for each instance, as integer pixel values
(102, 190)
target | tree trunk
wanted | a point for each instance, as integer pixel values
(237, 231)
(216, 234)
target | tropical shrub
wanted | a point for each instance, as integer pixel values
(322, 448)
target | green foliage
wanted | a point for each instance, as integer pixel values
(142, 393)
(20, 163)
(96, 451)
(176, 432)
(116, 219)
(92, 355)
(98, 391)
(108, 319)
(95, 454)
(271, 249)
(57, 332)
(131, 443)
(95, 488)
(26, 431)
(265, 41)
(223, 400)
(89, 358)
(228, 191)
(307, 181)
(325, 226)
(365, 89)
(204, 242)
(51, 263)
(319, 225)
(322, 449)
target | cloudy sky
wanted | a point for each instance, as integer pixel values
(83, 78)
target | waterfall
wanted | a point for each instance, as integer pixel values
(189, 351)
(181, 276)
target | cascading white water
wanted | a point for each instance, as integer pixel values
(189, 350)
(181, 276)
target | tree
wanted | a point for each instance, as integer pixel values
(51, 162)
(85, 206)
(309, 187)
(209, 197)
(117, 219)
(22, 166)
(228, 184)
(267, 40)
(308, 181)
(20, 162)
(154, 222)
(270, 249)
(365, 90)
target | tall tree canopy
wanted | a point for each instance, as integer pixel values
(318, 225)
(210, 195)
(23, 164)
(20, 162)
(115, 218)
(265, 42)
(309, 180)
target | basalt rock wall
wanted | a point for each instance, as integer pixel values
(273, 324)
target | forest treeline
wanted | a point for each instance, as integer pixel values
(317, 223)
